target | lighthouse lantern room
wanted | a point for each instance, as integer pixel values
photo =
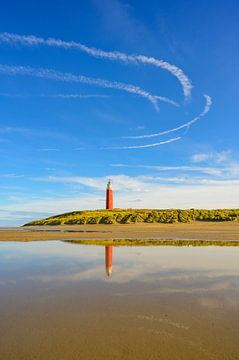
(109, 196)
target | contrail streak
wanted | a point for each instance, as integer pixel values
(31, 40)
(77, 96)
(186, 125)
(147, 145)
(87, 96)
(60, 96)
(68, 77)
(166, 100)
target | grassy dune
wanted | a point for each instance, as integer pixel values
(131, 216)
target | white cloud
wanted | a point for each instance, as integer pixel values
(142, 183)
(182, 168)
(229, 170)
(139, 128)
(49, 149)
(11, 176)
(233, 170)
(10, 216)
(145, 191)
(35, 132)
(152, 195)
(217, 157)
(124, 182)
(200, 157)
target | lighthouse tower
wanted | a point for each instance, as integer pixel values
(109, 196)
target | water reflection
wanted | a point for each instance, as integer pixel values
(109, 260)
(162, 302)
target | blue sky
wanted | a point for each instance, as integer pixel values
(144, 93)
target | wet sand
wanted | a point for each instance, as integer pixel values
(161, 303)
(193, 231)
(104, 326)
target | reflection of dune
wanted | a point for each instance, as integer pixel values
(109, 260)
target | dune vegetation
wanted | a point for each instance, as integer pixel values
(131, 216)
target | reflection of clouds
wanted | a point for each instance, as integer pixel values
(210, 302)
(176, 258)
(169, 269)
(153, 318)
(89, 274)
(163, 283)
(52, 248)
(154, 258)
(7, 282)
(204, 286)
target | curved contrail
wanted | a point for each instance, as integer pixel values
(68, 77)
(185, 125)
(146, 145)
(166, 100)
(31, 40)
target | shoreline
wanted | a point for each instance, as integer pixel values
(195, 231)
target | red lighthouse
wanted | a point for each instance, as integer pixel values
(109, 196)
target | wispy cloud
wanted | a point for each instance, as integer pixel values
(68, 77)
(139, 128)
(98, 183)
(218, 157)
(49, 149)
(229, 170)
(10, 129)
(153, 191)
(11, 217)
(12, 95)
(35, 132)
(31, 40)
(135, 183)
(185, 125)
(233, 169)
(11, 176)
(185, 168)
(143, 191)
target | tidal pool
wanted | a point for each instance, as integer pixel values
(64, 301)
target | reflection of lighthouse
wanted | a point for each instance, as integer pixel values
(109, 196)
(109, 259)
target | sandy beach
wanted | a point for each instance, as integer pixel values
(193, 231)
(58, 302)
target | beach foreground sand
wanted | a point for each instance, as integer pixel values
(193, 231)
